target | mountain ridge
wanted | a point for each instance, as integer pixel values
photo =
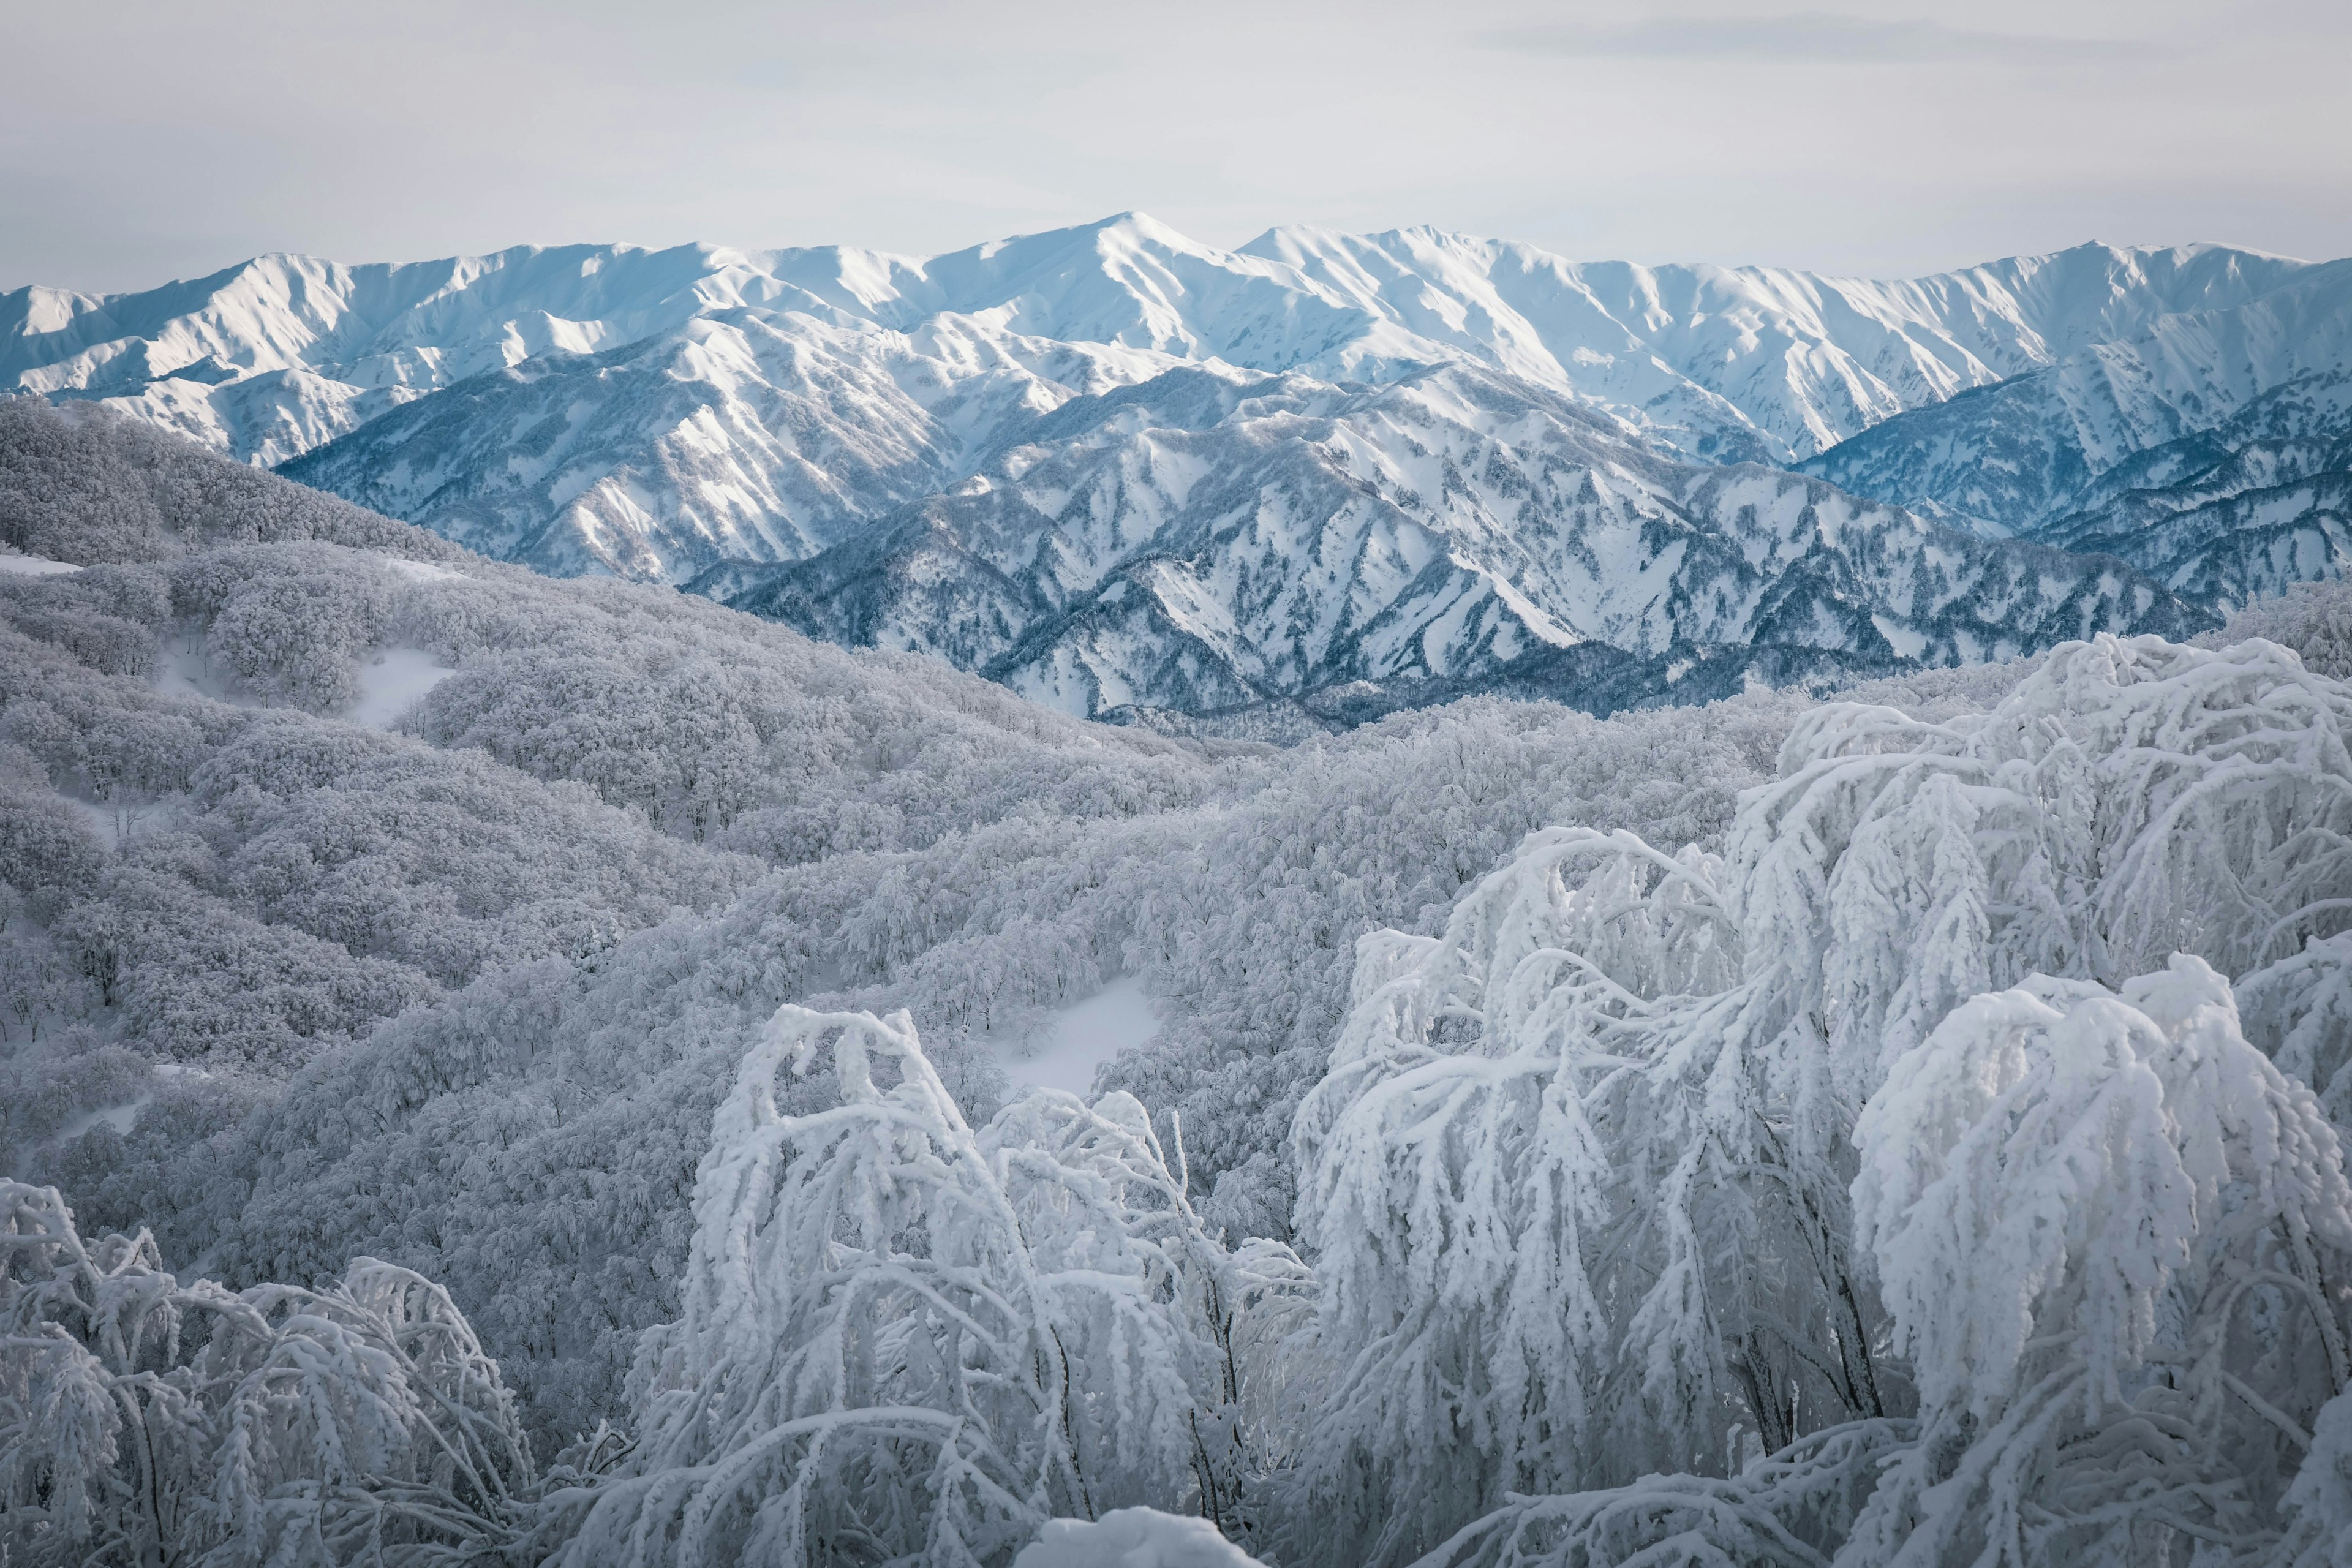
(303, 316)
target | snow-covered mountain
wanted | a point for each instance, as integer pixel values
(741, 436)
(269, 358)
(2013, 456)
(1771, 362)
(2211, 448)
(2259, 503)
(1113, 465)
(1209, 541)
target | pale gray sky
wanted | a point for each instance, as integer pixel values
(145, 141)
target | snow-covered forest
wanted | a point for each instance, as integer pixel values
(508, 1069)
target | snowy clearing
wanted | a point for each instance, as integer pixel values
(186, 672)
(424, 571)
(391, 682)
(394, 681)
(34, 566)
(1081, 1038)
(113, 820)
(118, 1117)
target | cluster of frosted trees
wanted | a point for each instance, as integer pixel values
(1912, 1170)
(143, 1420)
(1947, 1171)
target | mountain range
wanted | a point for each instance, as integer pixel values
(1121, 471)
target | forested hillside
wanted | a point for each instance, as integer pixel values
(460, 1106)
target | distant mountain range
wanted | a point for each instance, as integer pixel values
(1119, 470)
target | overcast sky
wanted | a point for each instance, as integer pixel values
(141, 142)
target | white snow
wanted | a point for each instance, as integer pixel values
(113, 820)
(393, 682)
(184, 671)
(1908, 641)
(1132, 1537)
(424, 571)
(1081, 1038)
(118, 1117)
(34, 566)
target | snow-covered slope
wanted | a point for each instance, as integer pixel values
(1211, 539)
(2010, 458)
(2259, 503)
(744, 435)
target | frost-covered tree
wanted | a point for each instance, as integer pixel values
(1579, 1180)
(907, 1342)
(2114, 1242)
(287, 621)
(143, 1420)
(1530, 1190)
